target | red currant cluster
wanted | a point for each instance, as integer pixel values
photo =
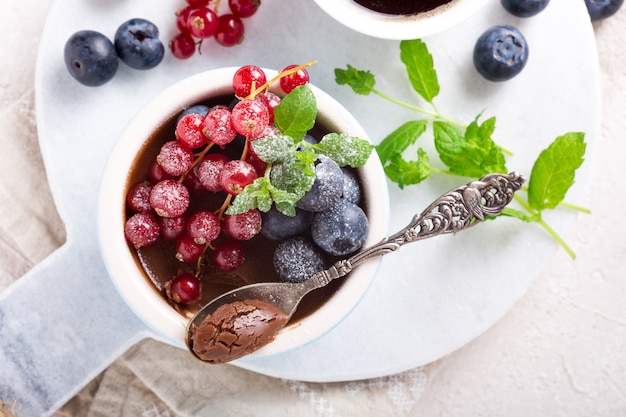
(162, 205)
(200, 20)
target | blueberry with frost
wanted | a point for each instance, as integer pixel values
(297, 258)
(327, 187)
(278, 226)
(341, 230)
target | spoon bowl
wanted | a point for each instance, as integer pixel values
(457, 210)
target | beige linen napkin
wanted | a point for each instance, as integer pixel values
(154, 379)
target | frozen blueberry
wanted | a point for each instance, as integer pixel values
(351, 188)
(341, 230)
(138, 45)
(297, 258)
(277, 226)
(500, 53)
(601, 9)
(90, 58)
(524, 8)
(326, 189)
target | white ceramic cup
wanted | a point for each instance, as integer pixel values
(129, 279)
(386, 26)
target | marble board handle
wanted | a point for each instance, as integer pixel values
(61, 324)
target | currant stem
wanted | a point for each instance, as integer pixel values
(280, 75)
(197, 160)
(220, 211)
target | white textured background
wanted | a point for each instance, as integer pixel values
(560, 350)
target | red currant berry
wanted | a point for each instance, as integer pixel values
(250, 118)
(218, 126)
(138, 197)
(193, 184)
(253, 159)
(198, 3)
(236, 175)
(182, 15)
(290, 82)
(270, 100)
(183, 46)
(175, 158)
(203, 226)
(230, 30)
(228, 255)
(209, 171)
(156, 173)
(187, 250)
(141, 229)
(173, 228)
(247, 79)
(243, 226)
(244, 8)
(189, 130)
(186, 288)
(169, 198)
(202, 22)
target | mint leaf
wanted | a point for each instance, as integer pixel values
(295, 176)
(284, 201)
(272, 149)
(404, 172)
(345, 149)
(295, 115)
(362, 82)
(400, 139)
(255, 195)
(472, 154)
(420, 68)
(554, 170)
(305, 160)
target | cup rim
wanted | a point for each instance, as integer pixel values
(397, 27)
(126, 274)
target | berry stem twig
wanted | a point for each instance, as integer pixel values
(280, 75)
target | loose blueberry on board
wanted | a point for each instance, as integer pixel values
(90, 58)
(500, 53)
(601, 9)
(297, 258)
(524, 8)
(138, 45)
(341, 230)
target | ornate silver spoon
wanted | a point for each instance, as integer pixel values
(248, 318)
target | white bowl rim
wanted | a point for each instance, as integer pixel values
(121, 265)
(395, 27)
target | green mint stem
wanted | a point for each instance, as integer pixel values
(575, 207)
(432, 113)
(556, 237)
(537, 218)
(434, 170)
(570, 206)
(418, 109)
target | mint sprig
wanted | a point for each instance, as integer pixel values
(464, 149)
(290, 171)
